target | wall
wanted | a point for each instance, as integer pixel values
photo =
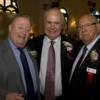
(34, 8)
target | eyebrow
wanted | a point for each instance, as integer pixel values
(88, 24)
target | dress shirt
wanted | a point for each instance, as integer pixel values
(43, 65)
(89, 47)
(31, 65)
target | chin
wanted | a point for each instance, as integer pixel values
(21, 45)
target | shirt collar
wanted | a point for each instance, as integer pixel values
(55, 40)
(89, 46)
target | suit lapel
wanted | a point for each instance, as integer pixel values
(95, 47)
(12, 64)
(39, 46)
(8, 52)
(64, 65)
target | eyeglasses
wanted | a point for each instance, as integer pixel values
(85, 25)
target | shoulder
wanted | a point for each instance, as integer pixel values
(4, 45)
(38, 37)
(69, 39)
(35, 41)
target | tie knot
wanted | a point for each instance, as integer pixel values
(85, 48)
(20, 49)
(52, 42)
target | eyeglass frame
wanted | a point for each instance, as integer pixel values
(86, 25)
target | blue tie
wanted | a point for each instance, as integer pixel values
(29, 83)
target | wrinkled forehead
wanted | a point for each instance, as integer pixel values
(20, 20)
(87, 19)
(54, 12)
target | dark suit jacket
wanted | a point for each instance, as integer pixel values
(36, 44)
(10, 76)
(87, 81)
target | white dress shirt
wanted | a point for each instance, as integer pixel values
(43, 65)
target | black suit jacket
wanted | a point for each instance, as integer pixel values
(87, 81)
(36, 44)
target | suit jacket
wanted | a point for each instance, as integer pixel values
(87, 81)
(36, 44)
(10, 76)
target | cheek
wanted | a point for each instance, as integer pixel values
(47, 26)
(84, 36)
(27, 37)
(60, 27)
(92, 36)
(14, 38)
(80, 35)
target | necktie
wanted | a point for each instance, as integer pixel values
(82, 56)
(50, 75)
(29, 83)
(74, 76)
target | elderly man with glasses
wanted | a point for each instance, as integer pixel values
(85, 75)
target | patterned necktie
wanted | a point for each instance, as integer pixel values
(29, 83)
(50, 75)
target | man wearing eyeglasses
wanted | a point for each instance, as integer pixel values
(85, 75)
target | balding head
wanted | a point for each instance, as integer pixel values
(89, 18)
(55, 11)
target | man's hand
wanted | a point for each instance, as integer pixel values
(14, 96)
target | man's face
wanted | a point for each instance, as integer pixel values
(19, 31)
(87, 29)
(53, 24)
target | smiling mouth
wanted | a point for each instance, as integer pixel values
(22, 37)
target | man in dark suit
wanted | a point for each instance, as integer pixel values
(63, 47)
(12, 75)
(85, 75)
